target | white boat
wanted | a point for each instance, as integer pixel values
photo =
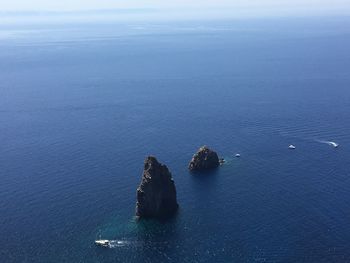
(238, 155)
(102, 242)
(334, 144)
(222, 161)
(292, 147)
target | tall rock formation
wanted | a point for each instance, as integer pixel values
(156, 195)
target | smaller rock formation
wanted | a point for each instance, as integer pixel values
(156, 195)
(204, 159)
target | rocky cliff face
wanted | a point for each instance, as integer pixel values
(204, 159)
(156, 195)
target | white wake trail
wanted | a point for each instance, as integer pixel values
(334, 144)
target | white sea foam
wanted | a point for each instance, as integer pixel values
(119, 243)
(334, 144)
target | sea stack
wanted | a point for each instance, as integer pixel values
(204, 159)
(156, 195)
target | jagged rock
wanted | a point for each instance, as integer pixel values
(204, 159)
(156, 195)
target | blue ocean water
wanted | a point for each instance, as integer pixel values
(82, 105)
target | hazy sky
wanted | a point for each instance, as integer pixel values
(103, 4)
(189, 7)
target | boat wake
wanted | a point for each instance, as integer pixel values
(108, 243)
(119, 243)
(334, 144)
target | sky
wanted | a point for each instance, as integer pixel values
(65, 5)
(185, 8)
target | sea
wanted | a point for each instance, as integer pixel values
(83, 104)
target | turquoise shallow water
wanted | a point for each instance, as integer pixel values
(81, 107)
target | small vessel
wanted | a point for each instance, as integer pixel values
(334, 144)
(237, 155)
(102, 242)
(222, 161)
(292, 147)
